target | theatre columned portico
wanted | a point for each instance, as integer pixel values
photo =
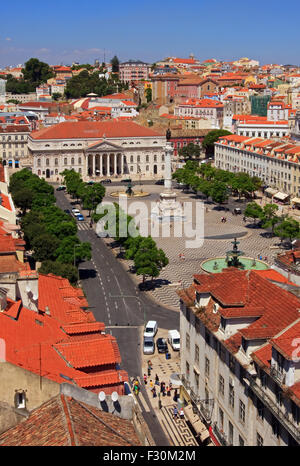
(105, 159)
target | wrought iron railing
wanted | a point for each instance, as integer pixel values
(221, 436)
(205, 407)
(277, 375)
(275, 410)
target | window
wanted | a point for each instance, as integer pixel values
(187, 341)
(197, 354)
(147, 158)
(222, 353)
(187, 370)
(206, 367)
(221, 419)
(232, 363)
(131, 158)
(196, 375)
(242, 412)
(241, 441)
(38, 162)
(20, 399)
(79, 160)
(207, 336)
(65, 161)
(221, 385)
(56, 162)
(230, 433)
(259, 440)
(72, 161)
(47, 162)
(231, 394)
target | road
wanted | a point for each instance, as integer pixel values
(114, 299)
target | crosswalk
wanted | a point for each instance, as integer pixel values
(83, 225)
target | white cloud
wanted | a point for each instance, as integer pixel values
(8, 38)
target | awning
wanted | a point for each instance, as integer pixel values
(196, 423)
(281, 196)
(296, 200)
(271, 191)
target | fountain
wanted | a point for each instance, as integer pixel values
(129, 192)
(233, 258)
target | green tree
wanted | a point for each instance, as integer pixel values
(191, 151)
(148, 93)
(91, 195)
(269, 217)
(254, 211)
(36, 71)
(212, 137)
(23, 199)
(67, 271)
(219, 192)
(115, 64)
(56, 95)
(288, 228)
(44, 247)
(149, 260)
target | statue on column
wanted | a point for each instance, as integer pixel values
(168, 134)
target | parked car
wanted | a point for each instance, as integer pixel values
(149, 346)
(106, 181)
(80, 217)
(67, 211)
(151, 329)
(160, 182)
(174, 339)
(91, 182)
(61, 188)
(126, 180)
(162, 345)
(237, 211)
(75, 211)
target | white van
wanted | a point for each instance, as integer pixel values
(174, 339)
(151, 329)
(149, 346)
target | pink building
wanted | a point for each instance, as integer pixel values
(134, 70)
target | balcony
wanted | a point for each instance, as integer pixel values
(274, 408)
(205, 407)
(277, 375)
(221, 436)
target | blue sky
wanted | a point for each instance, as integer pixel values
(76, 30)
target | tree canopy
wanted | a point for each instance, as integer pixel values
(211, 138)
(85, 83)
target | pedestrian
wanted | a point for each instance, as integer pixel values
(175, 395)
(150, 365)
(164, 389)
(149, 372)
(136, 388)
(181, 413)
(156, 380)
(151, 383)
(168, 391)
(154, 392)
(175, 413)
(145, 379)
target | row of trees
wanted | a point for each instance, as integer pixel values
(192, 151)
(48, 231)
(90, 195)
(282, 226)
(214, 182)
(147, 257)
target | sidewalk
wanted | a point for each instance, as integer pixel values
(177, 431)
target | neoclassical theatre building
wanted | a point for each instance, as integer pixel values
(97, 149)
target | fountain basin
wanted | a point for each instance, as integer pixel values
(248, 264)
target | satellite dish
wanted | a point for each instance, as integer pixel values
(114, 396)
(101, 396)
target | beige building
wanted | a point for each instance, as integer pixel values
(13, 145)
(98, 149)
(236, 373)
(275, 162)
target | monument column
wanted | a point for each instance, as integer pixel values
(168, 167)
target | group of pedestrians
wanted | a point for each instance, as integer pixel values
(223, 219)
(158, 386)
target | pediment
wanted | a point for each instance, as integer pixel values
(103, 146)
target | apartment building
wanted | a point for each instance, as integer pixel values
(13, 144)
(239, 364)
(259, 126)
(275, 162)
(202, 108)
(134, 70)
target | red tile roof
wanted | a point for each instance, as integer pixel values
(64, 421)
(93, 130)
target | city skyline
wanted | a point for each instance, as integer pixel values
(66, 34)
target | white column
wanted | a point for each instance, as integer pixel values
(122, 164)
(168, 166)
(115, 164)
(101, 164)
(93, 164)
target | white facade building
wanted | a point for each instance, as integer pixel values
(98, 149)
